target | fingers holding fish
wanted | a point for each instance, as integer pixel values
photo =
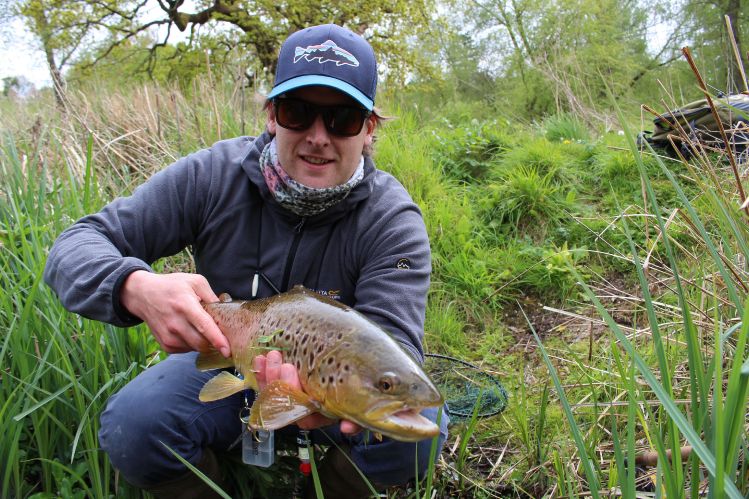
(259, 363)
(273, 362)
(179, 338)
(350, 428)
(210, 335)
(270, 367)
(200, 319)
(171, 306)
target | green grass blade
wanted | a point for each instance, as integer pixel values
(590, 473)
(315, 474)
(199, 473)
(737, 390)
(42, 402)
(432, 459)
(699, 447)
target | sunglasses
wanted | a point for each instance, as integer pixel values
(339, 120)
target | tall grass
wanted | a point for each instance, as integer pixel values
(712, 321)
(673, 341)
(58, 368)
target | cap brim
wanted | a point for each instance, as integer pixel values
(326, 81)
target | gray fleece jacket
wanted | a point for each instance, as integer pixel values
(369, 251)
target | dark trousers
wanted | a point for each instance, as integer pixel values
(161, 405)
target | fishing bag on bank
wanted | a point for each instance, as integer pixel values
(700, 126)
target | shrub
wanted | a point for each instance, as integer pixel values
(467, 153)
(568, 164)
(526, 201)
(561, 127)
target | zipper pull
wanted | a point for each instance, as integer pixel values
(298, 227)
(255, 282)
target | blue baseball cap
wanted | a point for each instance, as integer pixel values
(331, 56)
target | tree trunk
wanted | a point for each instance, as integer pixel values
(58, 84)
(44, 31)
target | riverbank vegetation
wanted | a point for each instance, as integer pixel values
(603, 283)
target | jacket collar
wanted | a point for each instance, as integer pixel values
(250, 164)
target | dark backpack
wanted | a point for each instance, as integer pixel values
(698, 122)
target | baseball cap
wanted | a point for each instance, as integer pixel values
(331, 56)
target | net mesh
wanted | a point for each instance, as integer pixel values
(463, 385)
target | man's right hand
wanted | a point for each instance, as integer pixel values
(171, 305)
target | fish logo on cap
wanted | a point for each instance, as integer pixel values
(327, 51)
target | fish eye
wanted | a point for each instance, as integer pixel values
(388, 383)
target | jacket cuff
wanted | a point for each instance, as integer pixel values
(124, 317)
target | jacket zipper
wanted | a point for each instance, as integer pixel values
(292, 253)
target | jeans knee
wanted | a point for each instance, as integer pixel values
(159, 412)
(132, 440)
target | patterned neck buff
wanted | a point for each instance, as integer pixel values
(298, 198)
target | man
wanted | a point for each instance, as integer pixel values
(301, 204)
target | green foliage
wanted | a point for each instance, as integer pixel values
(134, 62)
(249, 33)
(525, 201)
(555, 57)
(554, 276)
(705, 24)
(565, 127)
(561, 164)
(467, 153)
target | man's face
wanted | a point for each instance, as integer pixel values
(315, 157)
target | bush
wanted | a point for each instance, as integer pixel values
(468, 153)
(568, 164)
(526, 201)
(561, 127)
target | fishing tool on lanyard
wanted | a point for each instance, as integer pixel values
(258, 446)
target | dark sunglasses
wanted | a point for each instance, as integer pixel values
(340, 120)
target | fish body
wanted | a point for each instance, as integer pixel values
(327, 51)
(349, 368)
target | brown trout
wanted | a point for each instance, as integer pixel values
(349, 367)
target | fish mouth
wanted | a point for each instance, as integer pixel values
(405, 424)
(411, 418)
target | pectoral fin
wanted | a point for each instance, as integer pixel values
(223, 385)
(279, 405)
(212, 359)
